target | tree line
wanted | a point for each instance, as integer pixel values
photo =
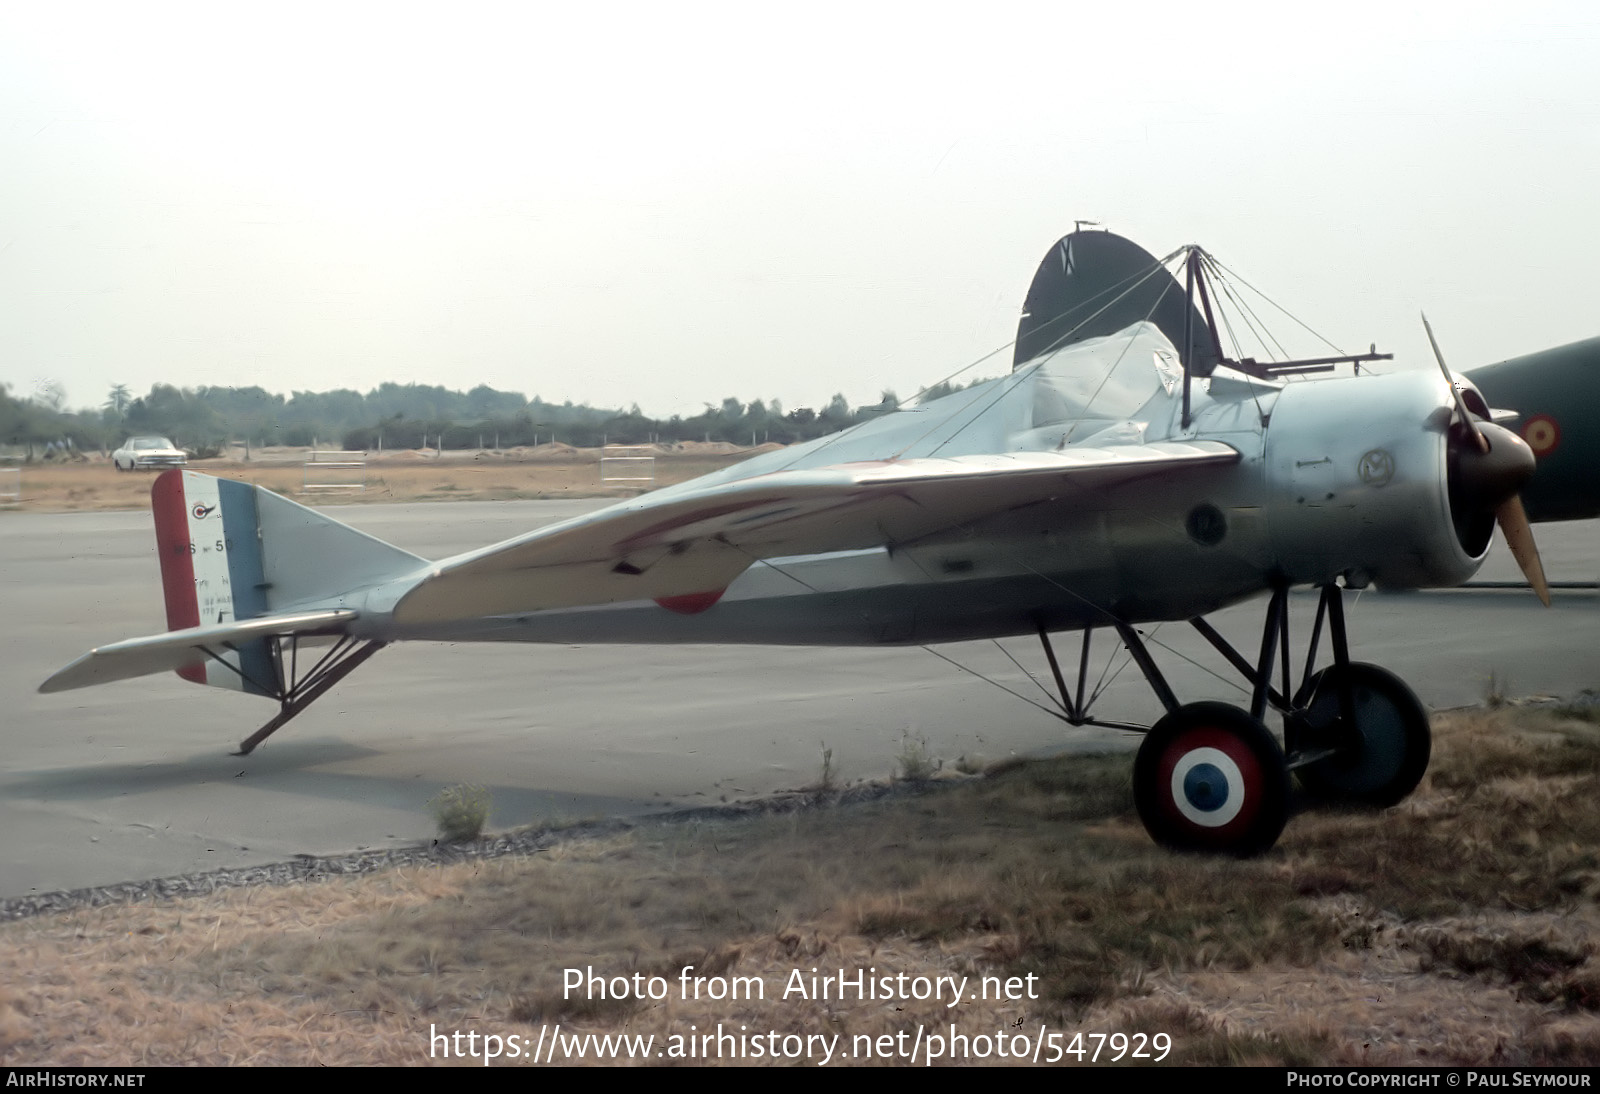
(204, 419)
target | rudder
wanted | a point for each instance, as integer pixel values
(209, 544)
(231, 551)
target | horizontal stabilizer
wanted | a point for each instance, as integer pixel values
(188, 648)
(677, 543)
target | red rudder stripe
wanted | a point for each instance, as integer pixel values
(173, 547)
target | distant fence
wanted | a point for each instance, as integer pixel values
(334, 471)
(627, 463)
(10, 485)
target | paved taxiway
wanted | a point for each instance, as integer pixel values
(135, 780)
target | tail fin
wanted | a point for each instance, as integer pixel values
(232, 552)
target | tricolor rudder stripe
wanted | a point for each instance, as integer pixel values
(210, 549)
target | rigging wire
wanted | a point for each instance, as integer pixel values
(826, 442)
(1248, 314)
(964, 668)
(1142, 275)
(1145, 275)
(1273, 351)
(867, 619)
(1255, 395)
(1098, 691)
(1275, 304)
(1203, 668)
(1047, 692)
(1019, 375)
(1100, 685)
(1138, 277)
(1106, 379)
(1007, 386)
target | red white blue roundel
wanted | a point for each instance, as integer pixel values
(1210, 780)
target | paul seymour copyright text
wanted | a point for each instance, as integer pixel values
(1465, 1078)
(918, 1042)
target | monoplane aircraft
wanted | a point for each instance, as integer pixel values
(1111, 480)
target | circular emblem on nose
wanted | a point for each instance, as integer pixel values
(1377, 467)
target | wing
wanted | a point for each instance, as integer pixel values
(682, 543)
(676, 542)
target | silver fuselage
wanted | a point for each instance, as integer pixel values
(1335, 477)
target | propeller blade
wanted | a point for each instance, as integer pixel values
(1514, 525)
(1509, 514)
(1461, 404)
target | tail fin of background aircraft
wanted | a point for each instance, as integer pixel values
(1091, 284)
(232, 552)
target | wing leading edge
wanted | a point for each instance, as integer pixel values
(699, 541)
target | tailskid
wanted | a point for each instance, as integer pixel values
(299, 692)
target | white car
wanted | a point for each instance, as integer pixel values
(148, 454)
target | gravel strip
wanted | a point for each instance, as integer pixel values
(521, 842)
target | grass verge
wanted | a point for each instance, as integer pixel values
(1455, 928)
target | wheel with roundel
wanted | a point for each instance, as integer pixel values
(1377, 761)
(1212, 779)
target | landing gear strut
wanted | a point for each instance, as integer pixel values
(1211, 777)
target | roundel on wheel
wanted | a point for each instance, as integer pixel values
(1542, 434)
(1212, 780)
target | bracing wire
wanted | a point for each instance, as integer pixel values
(1139, 277)
(1143, 276)
(802, 582)
(1104, 380)
(1018, 376)
(1263, 334)
(965, 668)
(1024, 670)
(1203, 668)
(1273, 350)
(1275, 304)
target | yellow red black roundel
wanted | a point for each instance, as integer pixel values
(1542, 434)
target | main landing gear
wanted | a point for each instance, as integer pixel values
(1211, 777)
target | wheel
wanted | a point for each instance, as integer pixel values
(1211, 778)
(1378, 761)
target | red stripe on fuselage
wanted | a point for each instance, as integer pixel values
(170, 508)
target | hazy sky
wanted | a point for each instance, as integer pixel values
(674, 203)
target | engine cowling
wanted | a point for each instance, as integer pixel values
(1373, 478)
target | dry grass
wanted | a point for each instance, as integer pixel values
(551, 471)
(1455, 928)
